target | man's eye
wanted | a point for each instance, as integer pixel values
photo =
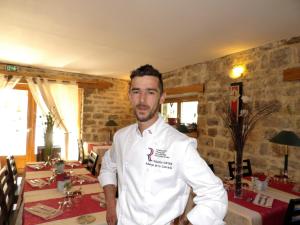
(151, 92)
(135, 91)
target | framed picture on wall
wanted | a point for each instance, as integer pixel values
(236, 91)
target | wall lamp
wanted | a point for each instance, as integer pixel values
(237, 72)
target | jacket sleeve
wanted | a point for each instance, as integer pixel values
(108, 172)
(211, 197)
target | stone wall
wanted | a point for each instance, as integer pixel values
(98, 105)
(262, 82)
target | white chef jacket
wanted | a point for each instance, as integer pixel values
(155, 171)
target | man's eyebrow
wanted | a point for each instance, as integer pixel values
(147, 89)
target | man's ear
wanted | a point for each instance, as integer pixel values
(162, 98)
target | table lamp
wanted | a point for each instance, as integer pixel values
(287, 138)
(111, 123)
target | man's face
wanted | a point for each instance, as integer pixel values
(145, 97)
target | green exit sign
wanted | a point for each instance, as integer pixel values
(11, 68)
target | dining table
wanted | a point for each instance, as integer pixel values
(44, 202)
(265, 206)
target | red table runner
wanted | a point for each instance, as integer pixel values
(67, 166)
(270, 216)
(286, 187)
(28, 187)
(76, 210)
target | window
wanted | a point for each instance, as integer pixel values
(13, 122)
(183, 114)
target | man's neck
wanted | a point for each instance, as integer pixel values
(144, 125)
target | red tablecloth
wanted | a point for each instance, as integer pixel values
(270, 216)
(75, 211)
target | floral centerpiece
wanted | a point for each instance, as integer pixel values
(240, 124)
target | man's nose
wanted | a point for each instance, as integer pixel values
(143, 96)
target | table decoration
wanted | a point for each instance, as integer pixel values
(260, 182)
(240, 122)
(60, 166)
(63, 181)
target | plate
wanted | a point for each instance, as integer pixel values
(86, 219)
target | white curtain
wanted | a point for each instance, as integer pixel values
(66, 101)
(8, 83)
(61, 99)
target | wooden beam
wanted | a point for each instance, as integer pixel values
(82, 83)
(291, 74)
(182, 99)
(197, 88)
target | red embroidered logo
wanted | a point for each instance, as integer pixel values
(150, 154)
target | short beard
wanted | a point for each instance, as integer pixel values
(149, 116)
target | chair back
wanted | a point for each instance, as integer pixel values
(81, 153)
(3, 208)
(7, 192)
(247, 171)
(92, 162)
(12, 169)
(292, 216)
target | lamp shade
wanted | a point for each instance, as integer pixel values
(286, 138)
(111, 123)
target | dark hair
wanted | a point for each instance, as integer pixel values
(148, 70)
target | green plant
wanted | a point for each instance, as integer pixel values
(48, 135)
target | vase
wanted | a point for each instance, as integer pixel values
(238, 190)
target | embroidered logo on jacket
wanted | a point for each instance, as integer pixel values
(158, 158)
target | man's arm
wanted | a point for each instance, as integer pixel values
(108, 180)
(211, 197)
(110, 199)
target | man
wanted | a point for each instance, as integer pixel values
(156, 165)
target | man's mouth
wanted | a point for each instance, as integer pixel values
(142, 107)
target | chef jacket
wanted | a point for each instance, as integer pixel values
(155, 170)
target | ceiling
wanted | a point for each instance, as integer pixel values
(111, 38)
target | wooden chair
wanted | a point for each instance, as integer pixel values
(17, 180)
(92, 162)
(292, 216)
(3, 209)
(7, 192)
(247, 171)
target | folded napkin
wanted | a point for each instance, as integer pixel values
(36, 166)
(37, 183)
(72, 164)
(100, 198)
(86, 178)
(44, 211)
(263, 200)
